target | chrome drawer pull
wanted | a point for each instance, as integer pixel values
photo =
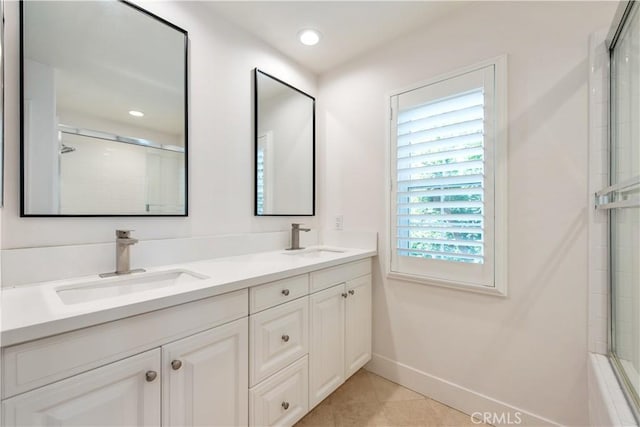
(176, 364)
(150, 376)
(285, 292)
(285, 405)
(285, 338)
(351, 292)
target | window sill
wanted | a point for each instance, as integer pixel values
(466, 287)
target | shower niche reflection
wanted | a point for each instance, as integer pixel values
(104, 111)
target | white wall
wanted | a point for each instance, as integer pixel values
(527, 350)
(220, 138)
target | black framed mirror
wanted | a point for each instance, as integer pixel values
(104, 111)
(284, 151)
(1, 103)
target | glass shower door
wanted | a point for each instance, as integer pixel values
(622, 200)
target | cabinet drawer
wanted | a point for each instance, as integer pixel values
(282, 399)
(328, 277)
(275, 293)
(277, 337)
(37, 363)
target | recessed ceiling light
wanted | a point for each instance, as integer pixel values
(309, 37)
(136, 113)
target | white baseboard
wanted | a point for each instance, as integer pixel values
(453, 395)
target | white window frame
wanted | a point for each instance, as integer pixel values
(498, 255)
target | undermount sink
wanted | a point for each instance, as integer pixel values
(118, 286)
(314, 252)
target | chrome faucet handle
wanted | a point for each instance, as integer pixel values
(123, 234)
(122, 244)
(296, 226)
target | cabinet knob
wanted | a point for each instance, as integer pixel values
(285, 292)
(344, 295)
(285, 338)
(285, 405)
(150, 376)
(176, 364)
(351, 292)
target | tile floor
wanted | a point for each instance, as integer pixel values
(369, 400)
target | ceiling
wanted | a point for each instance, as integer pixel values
(348, 28)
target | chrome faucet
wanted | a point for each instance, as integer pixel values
(123, 256)
(295, 236)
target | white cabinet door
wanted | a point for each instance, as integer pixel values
(205, 378)
(326, 355)
(124, 393)
(357, 324)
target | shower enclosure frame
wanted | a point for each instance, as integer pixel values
(605, 200)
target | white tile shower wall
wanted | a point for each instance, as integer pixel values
(130, 178)
(119, 172)
(59, 262)
(598, 179)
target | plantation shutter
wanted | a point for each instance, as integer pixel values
(442, 197)
(440, 167)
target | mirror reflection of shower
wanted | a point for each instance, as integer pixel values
(129, 174)
(103, 126)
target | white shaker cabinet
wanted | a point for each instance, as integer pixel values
(204, 381)
(185, 365)
(205, 378)
(279, 347)
(124, 393)
(259, 356)
(340, 335)
(326, 353)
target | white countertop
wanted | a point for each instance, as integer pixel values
(35, 311)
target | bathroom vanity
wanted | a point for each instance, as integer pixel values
(257, 339)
